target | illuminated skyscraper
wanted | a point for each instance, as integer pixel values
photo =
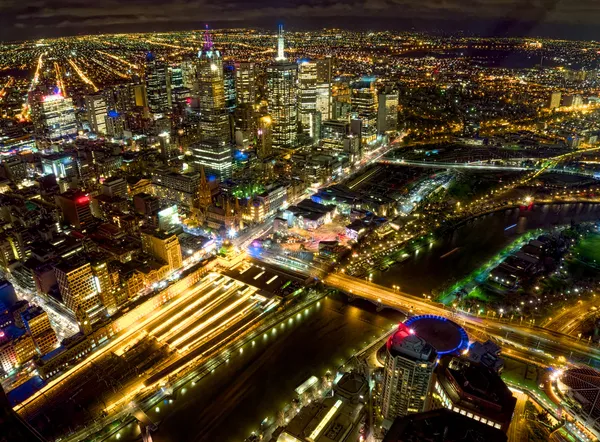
(282, 79)
(213, 151)
(97, 111)
(55, 119)
(323, 88)
(158, 85)
(409, 364)
(307, 96)
(245, 82)
(364, 107)
(229, 86)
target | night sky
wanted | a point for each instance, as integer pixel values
(575, 19)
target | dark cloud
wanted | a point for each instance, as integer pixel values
(23, 19)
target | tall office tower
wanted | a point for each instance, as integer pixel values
(75, 208)
(164, 247)
(115, 124)
(245, 88)
(54, 117)
(282, 79)
(189, 74)
(245, 82)
(264, 142)
(409, 365)
(323, 88)
(120, 98)
(158, 85)
(97, 111)
(307, 97)
(387, 112)
(364, 107)
(176, 74)
(37, 323)
(78, 288)
(229, 86)
(324, 70)
(213, 151)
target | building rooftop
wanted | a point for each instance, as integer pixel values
(404, 342)
(441, 426)
(444, 335)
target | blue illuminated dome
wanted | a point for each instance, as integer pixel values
(441, 333)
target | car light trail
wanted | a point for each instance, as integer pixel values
(122, 60)
(59, 81)
(83, 77)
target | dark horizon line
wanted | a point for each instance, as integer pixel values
(501, 29)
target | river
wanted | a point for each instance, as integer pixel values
(466, 248)
(230, 403)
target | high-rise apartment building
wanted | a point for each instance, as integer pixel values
(97, 111)
(282, 79)
(409, 365)
(158, 85)
(78, 288)
(164, 247)
(213, 151)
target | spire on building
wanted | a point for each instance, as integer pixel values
(208, 44)
(280, 45)
(205, 195)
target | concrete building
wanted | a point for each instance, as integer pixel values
(78, 288)
(472, 390)
(164, 247)
(158, 85)
(409, 365)
(75, 208)
(97, 110)
(37, 323)
(55, 119)
(387, 112)
(114, 187)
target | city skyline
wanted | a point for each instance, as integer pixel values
(515, 18)
(328, 235)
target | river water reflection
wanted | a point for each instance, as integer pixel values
(230, 403)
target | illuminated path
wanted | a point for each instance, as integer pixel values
(83, 77)
(122, 60)
(536, 339)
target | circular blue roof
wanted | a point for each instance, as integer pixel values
(441, 333)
